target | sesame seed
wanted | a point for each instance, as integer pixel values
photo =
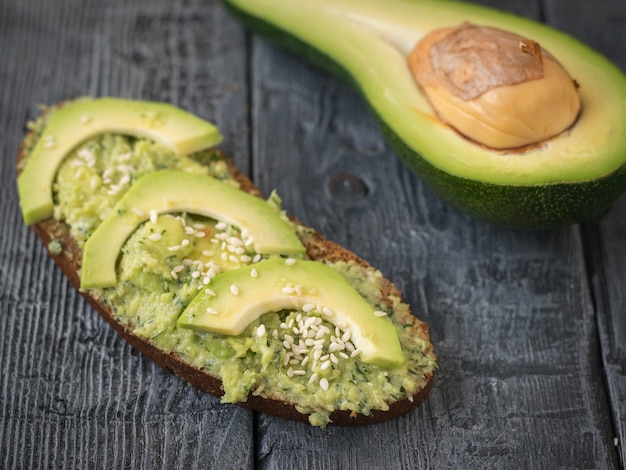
(327, 312)
(256, 258)
(185, 242)
(195, 274)
(199, 234)
(254, 273)
(290, 261)
(153, 216)
(207, 253)
(206, 280)
(178, 268)
(210, 292)
(334, 359)
(344, 355)
(211, 310)
(355, 353)
(324, 383)
(288, 290)
(287, 344)
(299, 372)
(313, 377)
(155, 237)
(174, 275)
(221, 225)
(234, 289)
(174, 248)
(380, 313)
(138, 212)
(306, 308)
(260, 331)
(233, 259)
(325, 365)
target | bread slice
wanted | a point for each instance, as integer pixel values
(65, 250)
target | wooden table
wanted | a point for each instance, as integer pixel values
(530, 328)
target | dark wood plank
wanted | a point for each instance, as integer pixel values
(520, 380)
(72, 393)
(606, 238)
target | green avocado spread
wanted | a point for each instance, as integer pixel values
(171, 257)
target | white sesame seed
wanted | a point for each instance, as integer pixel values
(153, 216)
(288, 290)
(313, 377)
(199, 234)
(138, 212)
(210, 292)
(207, 253)
(346, 336)
(108, 173)
(411, 398)
(287, 344)
(290, 261)
(245, 259)
(260, 331)
(304, 361)
(124, 180)
(324, 383)
(234, 289)
(174, 248)
(325, 365)
(344, 355)
(380, 313)
(155, 237)
(174, 275)
(178, 268)
(221, 225)
(185, 242)
(211, 310)
(299, 372)
(206, 280)
(233, 259)
(334, 359)
(306, 308)
(195, 274)
(355, 353)
(327, 312)
(290, 372)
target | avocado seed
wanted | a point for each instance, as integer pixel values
(495, 87)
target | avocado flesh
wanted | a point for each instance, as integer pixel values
(79, 120)
(320, 285)
(571, 177)
(176, 191)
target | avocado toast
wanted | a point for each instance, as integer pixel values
(227, 292)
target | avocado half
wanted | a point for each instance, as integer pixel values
(572, 177)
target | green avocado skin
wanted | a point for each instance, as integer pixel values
(525, 207)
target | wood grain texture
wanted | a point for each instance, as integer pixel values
(605, 239)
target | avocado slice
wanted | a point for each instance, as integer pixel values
(81, 119)
(177, 191)
(240, 296)
(571, 177)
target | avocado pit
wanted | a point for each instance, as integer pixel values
(495, 87)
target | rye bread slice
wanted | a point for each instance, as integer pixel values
(318, 247)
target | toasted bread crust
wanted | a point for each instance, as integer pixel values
(318, 248)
